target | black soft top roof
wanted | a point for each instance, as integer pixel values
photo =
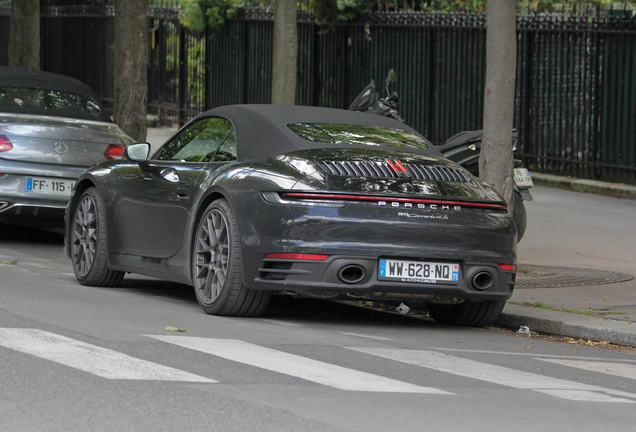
(264, 128)
(25, 78)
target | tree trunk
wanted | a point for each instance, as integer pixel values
(496, 161)
(24, 34)
(131, 66)
(285, 53)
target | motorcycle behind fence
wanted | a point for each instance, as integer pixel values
(463, 148)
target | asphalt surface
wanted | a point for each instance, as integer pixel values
(576, 266)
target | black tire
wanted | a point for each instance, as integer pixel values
(467, 313)
(217, 268)
(88, 242)
(519, 215)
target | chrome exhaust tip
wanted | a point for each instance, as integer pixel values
(483, 281)
(352, 274)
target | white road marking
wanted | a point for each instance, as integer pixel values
(366, 336)
(281, 323)
(534, 354)
(296, 366)
(610, 368)
(501, 375)
(90, 358)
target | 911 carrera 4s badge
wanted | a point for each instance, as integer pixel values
(423, 216)
(418, 271)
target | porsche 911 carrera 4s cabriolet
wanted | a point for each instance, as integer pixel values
(249, 200)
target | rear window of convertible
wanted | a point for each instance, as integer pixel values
(47, 99)
(373, 136)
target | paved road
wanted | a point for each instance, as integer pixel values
(81, 358)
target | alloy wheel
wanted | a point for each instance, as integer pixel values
(85, 235)
(211, 256)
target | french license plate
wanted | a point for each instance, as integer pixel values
(418, 271)
(49, 186)
(522, 177)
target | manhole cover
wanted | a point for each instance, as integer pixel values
(534, 276)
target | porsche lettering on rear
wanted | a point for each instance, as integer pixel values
(419, 206)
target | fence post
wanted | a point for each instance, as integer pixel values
(208, 73)
(429, 94)
(526, 120)
(183, 75)
(598, 101)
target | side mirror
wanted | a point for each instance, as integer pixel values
(137, 152)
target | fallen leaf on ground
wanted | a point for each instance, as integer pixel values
(175, 329)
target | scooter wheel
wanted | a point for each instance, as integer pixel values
(519, 215)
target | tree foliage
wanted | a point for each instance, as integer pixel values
(340, 10)
(196, 14)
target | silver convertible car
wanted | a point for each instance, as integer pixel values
(52, 128)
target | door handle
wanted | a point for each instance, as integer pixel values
(181, 193)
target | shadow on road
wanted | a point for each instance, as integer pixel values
(282, 307)
(22, 234)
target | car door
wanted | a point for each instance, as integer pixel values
(151, 200)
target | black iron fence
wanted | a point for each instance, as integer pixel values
(575, 104)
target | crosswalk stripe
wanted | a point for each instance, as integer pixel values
(382, 338)
(500, 375)
(90, 358)
(527, 354)
(296, 366)
(616, 369)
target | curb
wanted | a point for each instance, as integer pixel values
(567, 324)
(617, 190)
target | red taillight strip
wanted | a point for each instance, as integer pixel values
(114, 151)
(508, 267)
(362, 198)
(292, 256)
(5, 144)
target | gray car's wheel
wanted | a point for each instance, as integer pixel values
(519, 215)
(467, 313)
(216, 266)
(88, 242)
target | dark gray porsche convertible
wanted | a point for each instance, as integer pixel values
(249, 200)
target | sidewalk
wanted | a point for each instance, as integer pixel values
(573, 248)
(617, 190)
(157, 136)
(586, 243)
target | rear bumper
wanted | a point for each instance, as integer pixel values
(357, 236)
(358, 277)
(18, 205)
